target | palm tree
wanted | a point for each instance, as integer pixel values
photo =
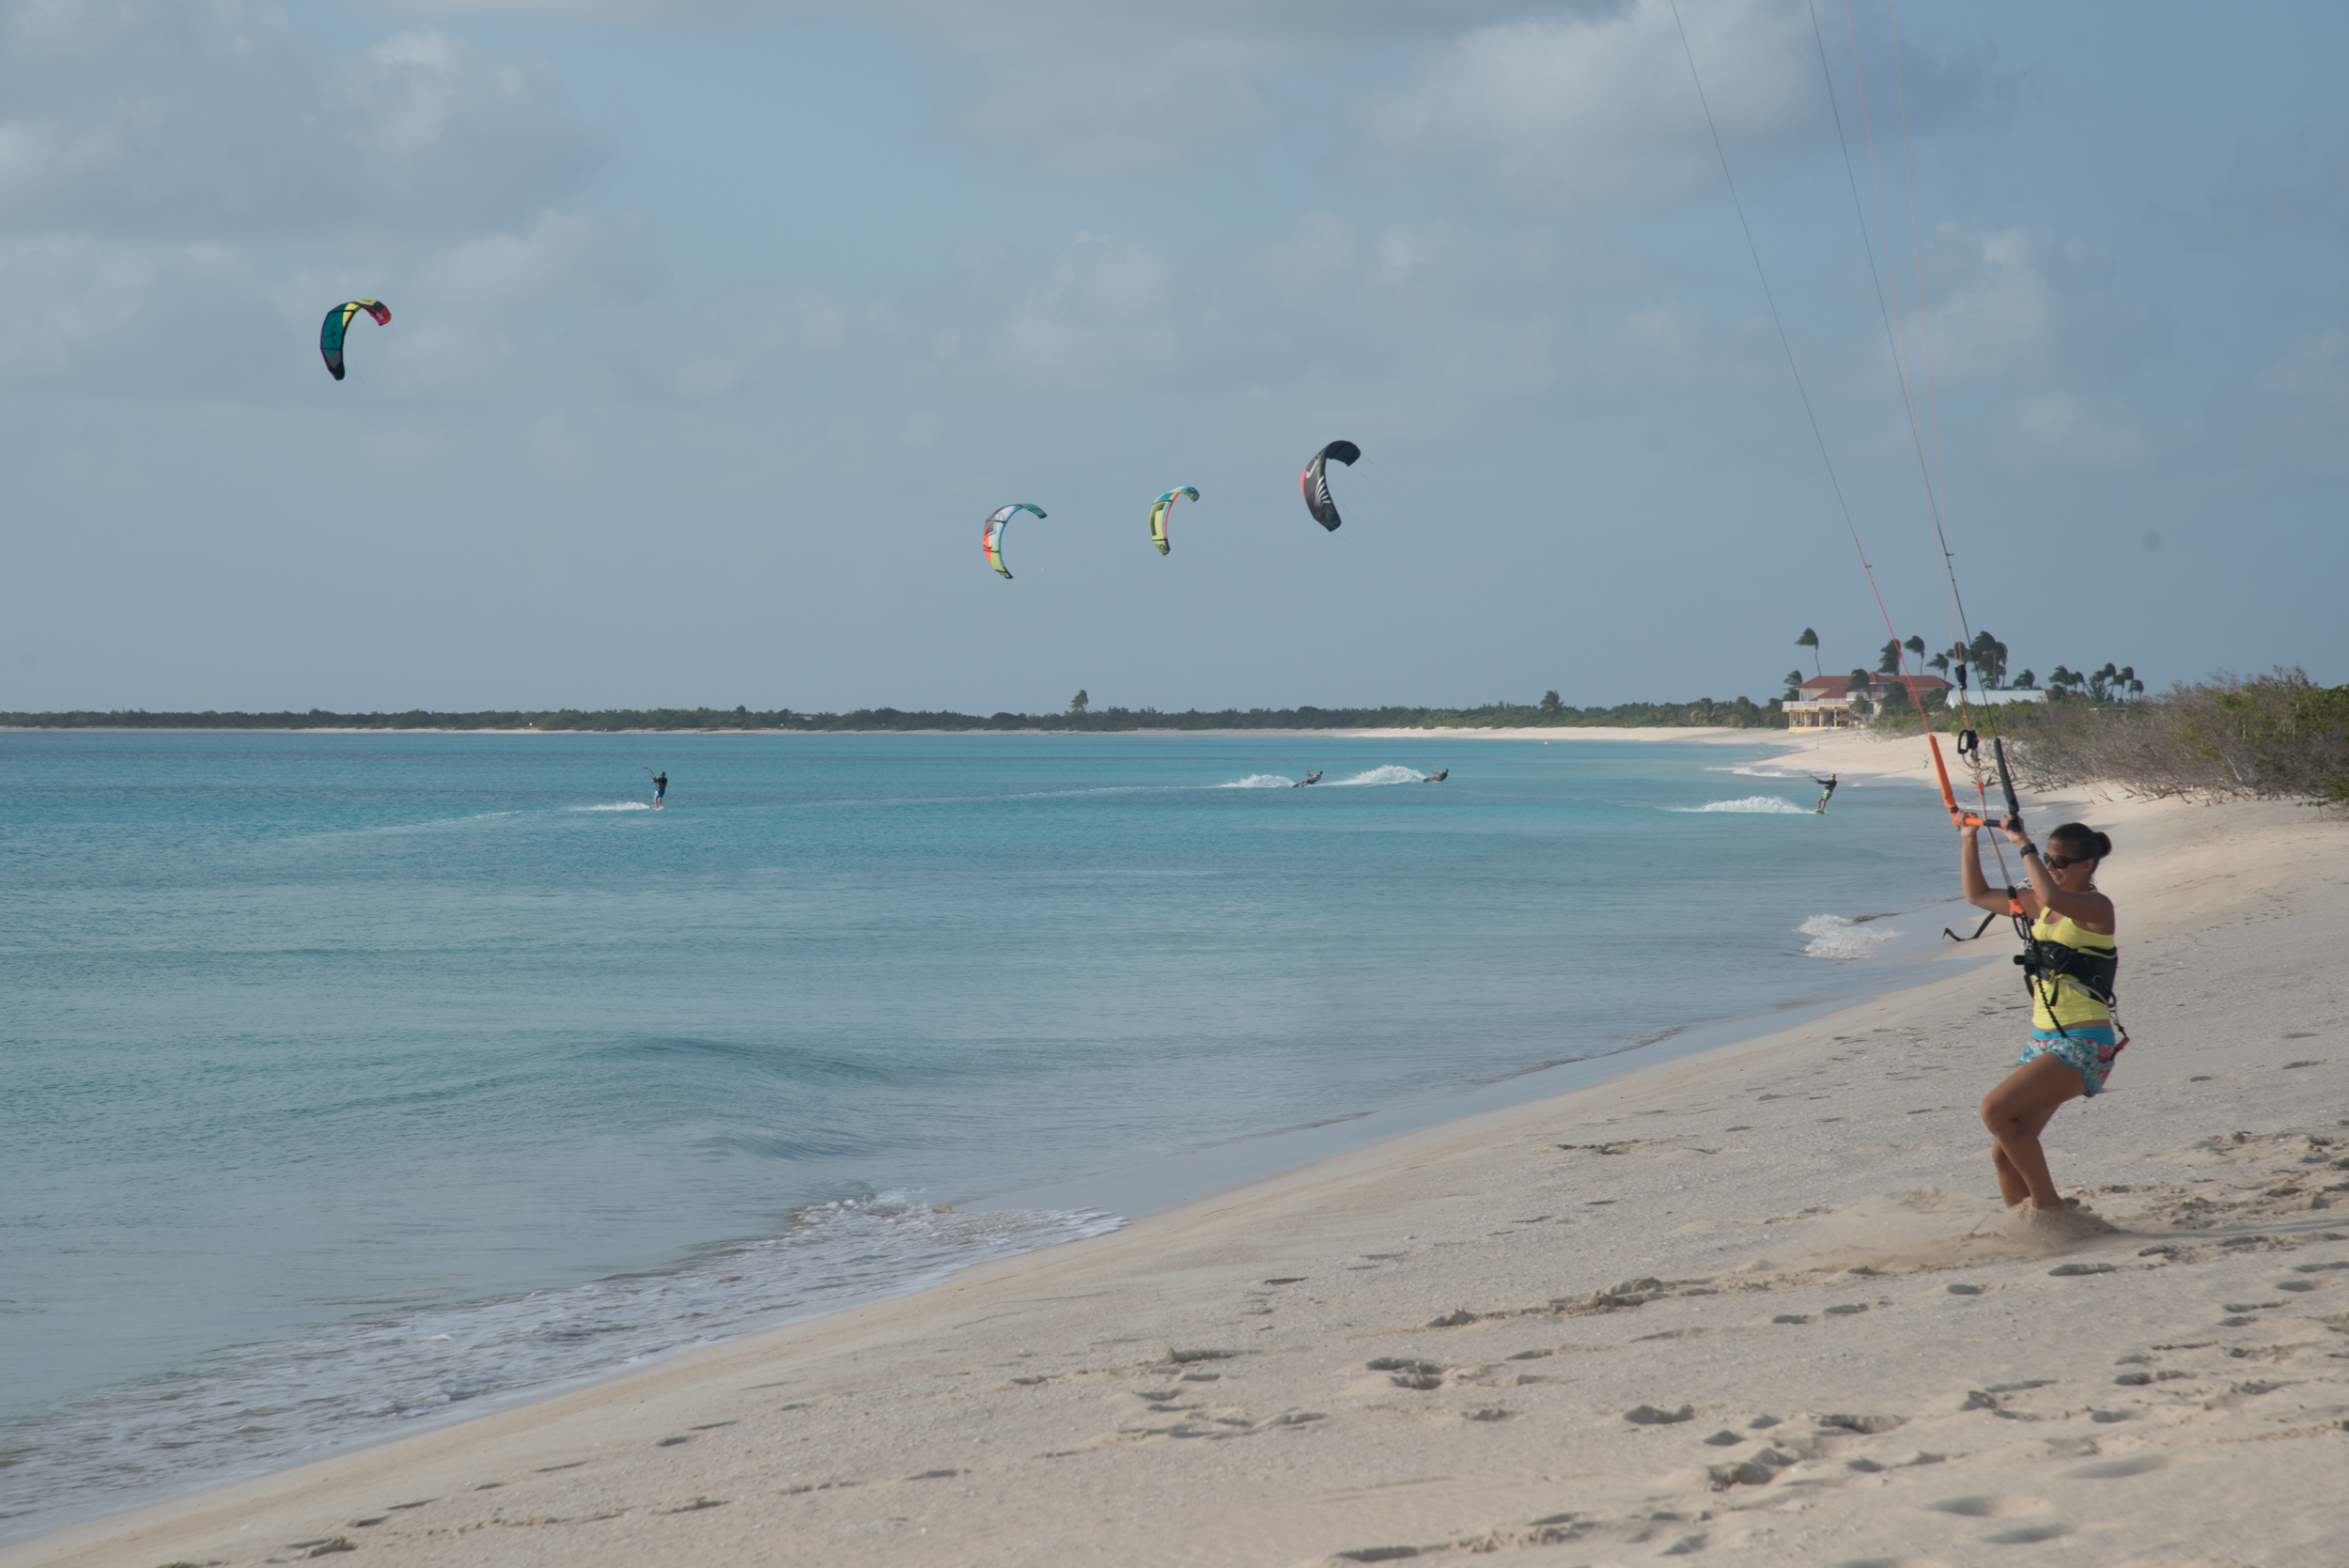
(1079, 703)
(1810, 639)
(1988, 657)
(1916, 646)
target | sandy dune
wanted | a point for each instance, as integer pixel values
(1754, 1307)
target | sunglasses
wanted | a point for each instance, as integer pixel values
(2062, 862)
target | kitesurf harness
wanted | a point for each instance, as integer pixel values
(2047, 965)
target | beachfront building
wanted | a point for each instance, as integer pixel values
(1826, 701)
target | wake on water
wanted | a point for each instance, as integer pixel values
(621, 805)
(1767, 805)
(1386, 775)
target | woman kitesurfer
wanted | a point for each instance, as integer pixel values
(2070, 965)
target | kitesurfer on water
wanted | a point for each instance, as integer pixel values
(1314, 777)
(660, 788)
(1827, 786)
(2070, 962)
(1437, 776)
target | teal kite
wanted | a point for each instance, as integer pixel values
(338, 322)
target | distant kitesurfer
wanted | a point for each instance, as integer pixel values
(660, 788)
(1437, 776)
(2069, 963)
(1826, 787)
(1308, 779)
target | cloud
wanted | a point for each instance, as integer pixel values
(184, 120)
(2071, 430)
(1081, 87)
(1085, 113)
(2301, 402)
(1037, 23)
(1599, 107)
(2026, 305)
(2296, 191)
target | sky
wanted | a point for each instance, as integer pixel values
(719, 326)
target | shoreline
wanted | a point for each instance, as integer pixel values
(899, 1331)
(1138, 1190)
(1562, 732)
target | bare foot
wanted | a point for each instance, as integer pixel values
(2073, 1221)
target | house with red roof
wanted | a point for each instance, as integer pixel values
(1825, 702)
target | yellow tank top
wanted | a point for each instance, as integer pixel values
(2072, 1005)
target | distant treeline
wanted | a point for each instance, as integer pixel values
(1741, 713)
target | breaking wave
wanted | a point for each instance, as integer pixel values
(1833, 936)
(254, 1406)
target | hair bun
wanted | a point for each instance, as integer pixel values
(2090, 843)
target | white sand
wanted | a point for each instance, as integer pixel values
(1752, 1307)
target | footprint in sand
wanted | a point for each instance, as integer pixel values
(1867, 1425)
(2012, 1505)
(1648, 1415)
(2113, 1469)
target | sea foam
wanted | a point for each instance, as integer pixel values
(256, 1406)
(1386, 775)
(1766, 805)
(1833, 936)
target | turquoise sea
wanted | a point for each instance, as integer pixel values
(361, 1081)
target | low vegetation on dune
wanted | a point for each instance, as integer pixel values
(2276, 737)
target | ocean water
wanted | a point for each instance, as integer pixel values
(357, 1082)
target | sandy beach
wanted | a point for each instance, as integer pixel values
(1754, 1306)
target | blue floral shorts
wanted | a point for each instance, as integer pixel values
(2090, 1049)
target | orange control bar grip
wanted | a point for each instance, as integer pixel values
(1949, 796)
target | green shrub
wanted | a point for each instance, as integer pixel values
(2278, 736)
